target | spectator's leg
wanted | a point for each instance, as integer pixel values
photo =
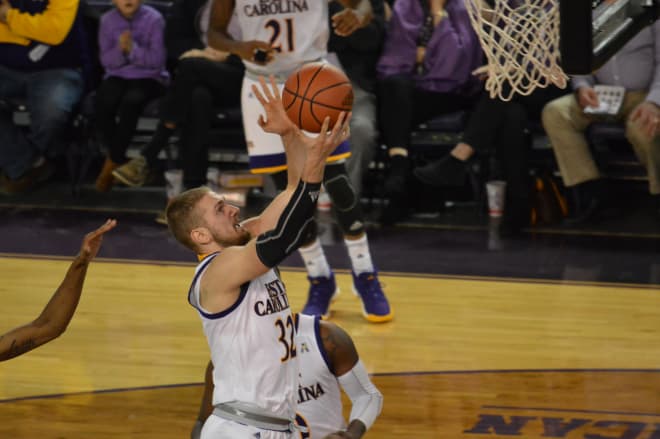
(161, 136)
(364, 136)
(52, 96)
(396, 110)
(483, 126)
(222, 79)
(16, 153)
(513, 148)
(137, 94)
(647, 148)
(197, 79)
(193, 148)
(565, 122)
(108, 99)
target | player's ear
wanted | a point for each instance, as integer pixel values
(200, 235)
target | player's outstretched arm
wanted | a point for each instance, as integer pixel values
(237, 265)
(296, 145)
(366, 399)
(58, 312)
(277, 122)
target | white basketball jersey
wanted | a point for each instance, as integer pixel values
(319, 396)
(297, 29)
(252, 345)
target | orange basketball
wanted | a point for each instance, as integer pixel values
(315, 91)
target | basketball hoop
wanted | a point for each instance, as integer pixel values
(521, 41)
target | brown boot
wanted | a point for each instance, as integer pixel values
(105, 179)
(32, 178)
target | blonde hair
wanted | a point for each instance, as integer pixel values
(183, 216)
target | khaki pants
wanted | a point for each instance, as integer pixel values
(565, 123)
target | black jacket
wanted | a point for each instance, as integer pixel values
(359, 52)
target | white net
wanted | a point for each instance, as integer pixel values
(521, 41)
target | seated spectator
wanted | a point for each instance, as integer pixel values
(204, 79)
(425, 70)
(43, 51)
(499, 125)
(358, 53)
(636, 67)
(132, 52)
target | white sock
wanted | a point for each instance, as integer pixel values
(315, 261)
(358, 251)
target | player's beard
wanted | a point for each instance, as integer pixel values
(240, 238)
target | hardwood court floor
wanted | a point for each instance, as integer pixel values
(463, 357)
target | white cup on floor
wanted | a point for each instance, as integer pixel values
(496, 190)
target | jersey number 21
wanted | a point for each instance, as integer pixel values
(281, 32)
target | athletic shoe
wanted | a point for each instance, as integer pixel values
(134, 173)
(375, 307)
(448, 171)
(321, 292)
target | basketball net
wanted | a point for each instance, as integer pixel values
(521, 41)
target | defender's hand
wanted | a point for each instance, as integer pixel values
(92, 241)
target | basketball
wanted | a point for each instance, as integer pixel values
(315, 91)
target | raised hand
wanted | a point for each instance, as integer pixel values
(276, 120)
(327, 141)
(92, 241)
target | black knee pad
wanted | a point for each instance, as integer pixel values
(346, 204)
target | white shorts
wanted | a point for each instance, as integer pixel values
(218, 428)
(266, 150)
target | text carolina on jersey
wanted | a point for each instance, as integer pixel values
(274, 7)
(276, 302)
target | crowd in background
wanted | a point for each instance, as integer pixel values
(414, 61)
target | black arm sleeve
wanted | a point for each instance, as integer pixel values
(275, 245)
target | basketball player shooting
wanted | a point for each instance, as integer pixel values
(236, 289)
(54, 319)
(278, 38)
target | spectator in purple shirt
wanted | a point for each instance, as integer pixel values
(425, 70)
(132, 52)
